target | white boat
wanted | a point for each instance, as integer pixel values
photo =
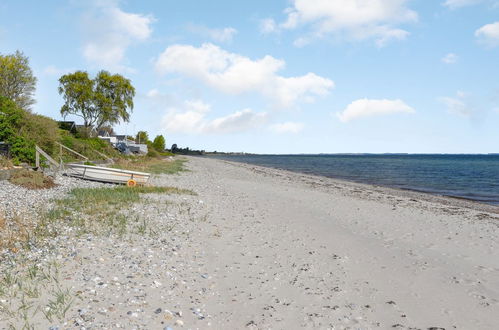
(106, 174)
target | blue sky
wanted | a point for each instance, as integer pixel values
(282, 76)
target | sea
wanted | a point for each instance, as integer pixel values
(473, 177)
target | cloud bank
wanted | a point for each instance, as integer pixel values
(352, 20)
(236, 74)
(367, 108)
(191, 119)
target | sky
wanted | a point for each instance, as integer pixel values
(281, 76)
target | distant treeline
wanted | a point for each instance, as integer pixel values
(185, 151)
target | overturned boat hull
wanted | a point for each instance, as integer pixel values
(106, 174)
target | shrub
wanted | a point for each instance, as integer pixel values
(152, 153)
(31, 179)
(11, 121)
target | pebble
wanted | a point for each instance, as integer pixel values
(179, 322)
(16, 200)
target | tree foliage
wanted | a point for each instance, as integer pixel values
(17, 81)
(103, 101)
(22, 130)
(142, 137)
(159, 143)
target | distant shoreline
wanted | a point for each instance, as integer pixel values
(419, 193)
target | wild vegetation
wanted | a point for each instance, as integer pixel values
(99, 210)
(28, 287)
(31, 179)
(17, 81)
(22, 130)
(151, 165)
(101, 102)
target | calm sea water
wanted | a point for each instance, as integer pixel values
(474, 177)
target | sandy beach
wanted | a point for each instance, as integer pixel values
(260, 248)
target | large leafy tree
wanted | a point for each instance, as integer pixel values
(17, 81)
(159, 143)
(103, 101)
(114, 98)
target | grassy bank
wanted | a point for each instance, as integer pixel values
(152, 165)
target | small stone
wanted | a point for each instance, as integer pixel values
(157, 311)
(179, 322)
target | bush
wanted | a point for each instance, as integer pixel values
(152, 153)
(11, 123)
(31, 179)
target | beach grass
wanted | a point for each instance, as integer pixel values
(27, 288)
(100, 210)
(152, 165)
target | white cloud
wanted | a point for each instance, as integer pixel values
(268, 25)
(109, 31)
(450, 58)
(368, 108)
(219, 35)
(489, 34)
(457, 105)
(191, 118)
(287, 127)
(353, 20)
(235, 74)
(454, 4)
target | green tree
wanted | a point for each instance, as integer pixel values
(142, 137)
(103, 101)
(159, 143)
(17, 82)
(114, 98)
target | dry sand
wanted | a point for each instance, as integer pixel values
(261, 248)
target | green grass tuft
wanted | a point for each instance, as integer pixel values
(152, 165)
